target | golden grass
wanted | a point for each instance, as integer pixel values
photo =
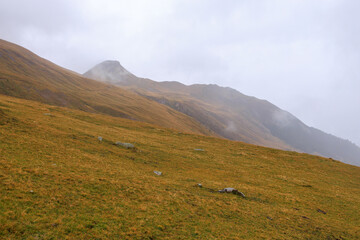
(57, 181)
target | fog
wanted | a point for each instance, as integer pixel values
(301, 55)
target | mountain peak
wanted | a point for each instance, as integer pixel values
(111, 65)
(109, 71)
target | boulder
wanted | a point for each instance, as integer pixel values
(125, 145)
(231, 190)
(158, 173)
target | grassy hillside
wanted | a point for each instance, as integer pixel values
(25, 75)
(59, 182)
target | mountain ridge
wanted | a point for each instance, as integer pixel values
(233, 115)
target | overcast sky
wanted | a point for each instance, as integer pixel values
(301, 55)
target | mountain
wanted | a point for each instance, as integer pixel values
(58, 181)
(232, 114)
(25, 75)
(201, 109)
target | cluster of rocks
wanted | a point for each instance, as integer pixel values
(225, 190)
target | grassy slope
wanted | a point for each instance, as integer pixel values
(25, 75)
(58, 182)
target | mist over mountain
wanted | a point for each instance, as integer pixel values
(111, 72)
(232, 114)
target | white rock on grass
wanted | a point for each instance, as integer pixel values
(231, 190)
(158, 173)
(125, 145)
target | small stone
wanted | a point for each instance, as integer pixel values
(321, 211)
(158, 173)
(199, 185)
(231, 190)
(270, 218)
(47, 114)
(227, 190)
(125, 145)
(240, 194)
(31, 191)
(100, 139)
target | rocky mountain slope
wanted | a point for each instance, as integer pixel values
(232, 114)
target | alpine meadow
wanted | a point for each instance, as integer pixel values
(224, 120)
